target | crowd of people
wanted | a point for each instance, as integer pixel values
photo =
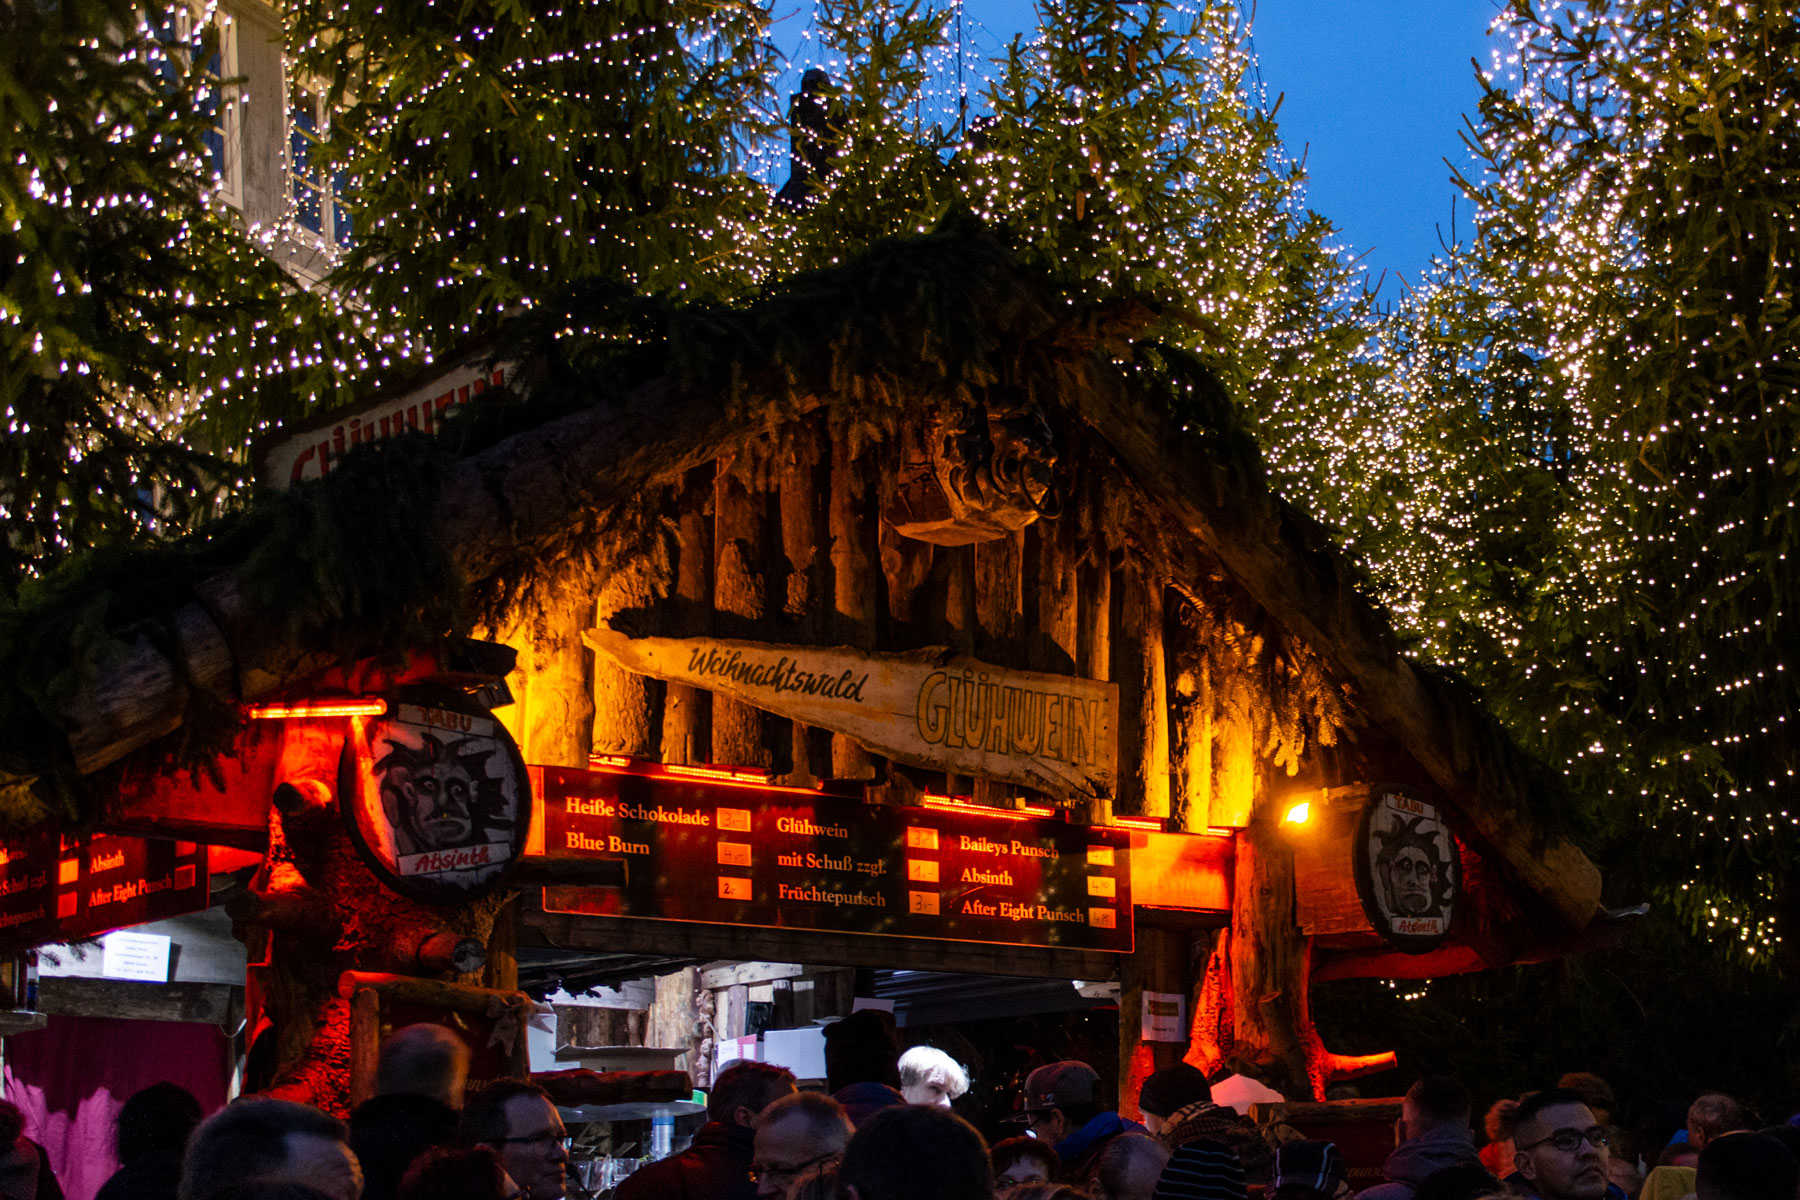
(885, 1130)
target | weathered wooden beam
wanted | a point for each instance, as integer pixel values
(851, 532)
(741, 604)
(722, 974)
(1289, 571)
(75, 996)
(815, 948)
(1138, 666)
(687, 710)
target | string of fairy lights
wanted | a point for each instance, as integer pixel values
(1118, 178)
(1571, 286)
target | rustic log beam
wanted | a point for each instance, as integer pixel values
(1138, 667)
(559, 697)
(627, 707)
(804, 494)
(999, 610)
(740, 732)
(1286, 568)
(850, 526)
(687, 710)
(74, 996)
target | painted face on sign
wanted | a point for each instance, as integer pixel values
(1410, 879)
(430, 794)
(436, 804)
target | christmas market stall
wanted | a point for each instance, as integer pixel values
(912, 618)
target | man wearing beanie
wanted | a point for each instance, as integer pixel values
(1177, 1106)
(1169, 1091)
(1202, 1170)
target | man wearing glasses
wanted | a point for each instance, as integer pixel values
(797, 1135)
(1560, 1150)
(517, 1121)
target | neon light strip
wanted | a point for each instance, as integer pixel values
(951, 804)
(741, 777)
(319, 708)
(728, 774)
(1139, 823)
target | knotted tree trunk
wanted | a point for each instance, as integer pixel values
(316, 910)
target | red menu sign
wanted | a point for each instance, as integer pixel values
(57, 889)
(702, 850)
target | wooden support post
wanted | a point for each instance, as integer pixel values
(1093, 629)
(627, 706)
(740, 604)
(365, 1044)
(851, 525)
(1271, 975)
(501, 972)
(1158, 963)
(1138, 667)
(998, 616)
(960, 620)
(559, 713)
(687, 710)
(805, 494)
(1190, 725)
(672, 1023)
(1049, 572)
(1236, 780)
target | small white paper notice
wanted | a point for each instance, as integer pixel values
(1165, 1017)
(128, 955)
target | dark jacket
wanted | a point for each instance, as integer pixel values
(863, 1100)
(1079, 1153)
(152, 1177)
(1449, 1145)
(1522, 1186)
(715, 1166)
(389, 1132)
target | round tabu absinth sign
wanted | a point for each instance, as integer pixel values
(1408, 870)
(436, 797)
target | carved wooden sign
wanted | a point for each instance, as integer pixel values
(929, 708)
(435, 796)
(1408, 869)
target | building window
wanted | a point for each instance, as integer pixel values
(315, 191)
(179, 31)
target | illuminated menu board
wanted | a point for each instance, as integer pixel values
(700, 850)
(57, 889)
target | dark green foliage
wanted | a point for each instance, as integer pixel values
(497, 152)
(351, 565)
(126, 294)
(1131, 155)
(1613, 385)
(890, 178)
(1659, 1017)
(110, 263)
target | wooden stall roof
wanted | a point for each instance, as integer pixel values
(882, 341)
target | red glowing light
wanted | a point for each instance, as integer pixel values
(1024, 813)
(319, 708)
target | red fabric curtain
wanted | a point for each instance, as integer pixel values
(71, 1078)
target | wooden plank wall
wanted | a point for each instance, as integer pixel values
(784, 543)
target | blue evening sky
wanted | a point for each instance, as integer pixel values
(1374, 95)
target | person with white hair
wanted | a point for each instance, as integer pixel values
(930, 1077)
